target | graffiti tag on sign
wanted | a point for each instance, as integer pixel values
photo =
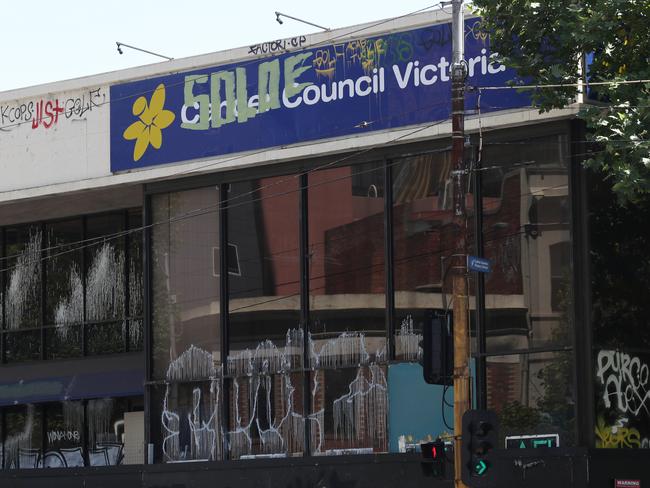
(46, 113)
(625, 382)
(278, 45)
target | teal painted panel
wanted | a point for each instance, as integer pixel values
(414, 407)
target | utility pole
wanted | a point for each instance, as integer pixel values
(459, 293)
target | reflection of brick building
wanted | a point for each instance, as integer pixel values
(503, 384)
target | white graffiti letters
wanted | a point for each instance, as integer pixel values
(625, 380)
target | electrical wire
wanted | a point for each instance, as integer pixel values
(190, 214)
(561, 85)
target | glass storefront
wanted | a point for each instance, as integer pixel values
(70, 434)
(311, 333)
(283, 307)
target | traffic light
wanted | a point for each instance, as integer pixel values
(479, 439)
(437, 358)
(434, 457)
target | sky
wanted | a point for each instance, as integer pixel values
(45, 40)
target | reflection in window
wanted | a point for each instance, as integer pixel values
(23, 437)
(64, 301)
(22, 296)
(266, 341)
(422, 214)
(191, 409)
(97, 432)
(264, 300)
(81, 292)
(349, 410)
(527, 233)
(185, 276)
(135, 284)
(267, 416)
(347, 309)
(64, 435)
(533, 393)
(346, 258)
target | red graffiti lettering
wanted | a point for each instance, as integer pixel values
(47, 113)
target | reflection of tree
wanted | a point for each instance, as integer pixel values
(516, 417)
(553, 410)
(556, 403)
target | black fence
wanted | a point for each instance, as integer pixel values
(560, 467)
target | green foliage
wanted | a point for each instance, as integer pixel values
(544, 40)
(519, 418)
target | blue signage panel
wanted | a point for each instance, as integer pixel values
(320, 92)
(480, 265)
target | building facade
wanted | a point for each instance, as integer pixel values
(229, 259)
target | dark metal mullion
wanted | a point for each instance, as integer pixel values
(43, 308)
(481, 365)
(389, 260)
(304, 307)
(3, 435)
(147, 319)
(85, 441)
(223, 298)
(84, 251)
(584, 409)
(127, 295)
(44, 427)
(3, 281)
(517, 352)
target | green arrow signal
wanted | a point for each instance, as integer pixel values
(481, 467)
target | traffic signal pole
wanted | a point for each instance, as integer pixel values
(460, 292)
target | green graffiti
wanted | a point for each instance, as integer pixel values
(292, 72)
(191, 100)
(244, 112)
(269, 85)
(228, 78)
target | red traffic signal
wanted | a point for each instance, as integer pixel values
(434, 451)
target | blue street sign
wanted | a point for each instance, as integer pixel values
(480, 265)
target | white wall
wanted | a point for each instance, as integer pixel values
(54, 138)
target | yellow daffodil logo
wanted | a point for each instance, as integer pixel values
(152, 119)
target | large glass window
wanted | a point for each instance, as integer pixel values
(96, 432)
(533, 394)
(526, 230)
(22, 296)
(23, 437)
(265, 356)
(422, 226)
(347, 309)
(529, 301)
(64, 285)
(620, 278)
(73, 287)
(186, 322)
(280, 393)
(186, 272)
